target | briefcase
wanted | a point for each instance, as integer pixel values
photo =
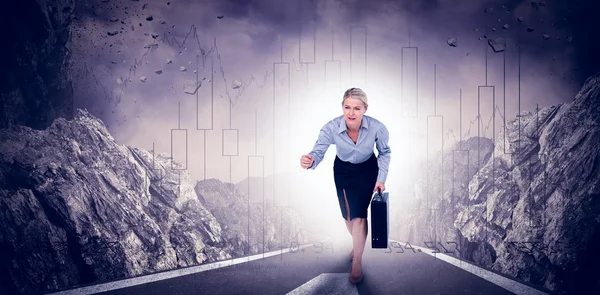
(380, 220)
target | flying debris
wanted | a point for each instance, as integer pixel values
(530, 29)
(114, 20)
(169, 61)
(220, 17)
(236, 84)
(158, 71)
(546, 36)
(452, 41)
(520, 19)
(143, 78)
(150, 18)
(182, 68)
(190, 86)
(119, 81)
(505, 26)
(154, 35)
(112, 33)
(535, 5)
(497, 44)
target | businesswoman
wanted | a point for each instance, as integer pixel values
(357, 172)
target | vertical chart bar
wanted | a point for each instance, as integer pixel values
(485, 119)
(230, 142)
(486, 112)
(486, 123)
(486, 126)
(435, 147)
(514, 147)
(179, 145)
(256, 195)
(536, 201)
(460, 172)
(205, 96)
(307, 50)
(358, 56)
(281, 135)
(333, 74)
(409, 81)
(256, 181)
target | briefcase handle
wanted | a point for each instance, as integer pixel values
(378, 197)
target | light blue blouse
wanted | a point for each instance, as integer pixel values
(371, 132)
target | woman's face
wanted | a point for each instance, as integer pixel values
(354, 109)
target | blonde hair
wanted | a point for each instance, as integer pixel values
(356, 93)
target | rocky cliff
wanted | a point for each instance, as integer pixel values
(529, 208)
(78, 208)
(251, 226)
(36, 85)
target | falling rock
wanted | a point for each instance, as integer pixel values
(497, 44)
(191, 86)
(236, 84)
(535, 5)
(143, 78)
(452, 42)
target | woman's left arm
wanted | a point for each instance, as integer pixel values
(383, 160)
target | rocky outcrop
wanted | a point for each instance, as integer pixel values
(250, 226)
(36, 85)
(529, 210)
(78, 208)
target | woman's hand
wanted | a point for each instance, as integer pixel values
(380, 185)
(306, 161)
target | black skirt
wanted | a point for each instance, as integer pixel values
(357, 181)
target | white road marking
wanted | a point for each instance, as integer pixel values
(506, 283)
(327, 284)
(170, 274)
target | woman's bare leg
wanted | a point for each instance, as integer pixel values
(359, 237)
(349, 227)
(349, 223)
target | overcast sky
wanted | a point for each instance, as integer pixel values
(114, 48)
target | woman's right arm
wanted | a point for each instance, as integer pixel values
(323, 142)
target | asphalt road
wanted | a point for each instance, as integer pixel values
(411, 272)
